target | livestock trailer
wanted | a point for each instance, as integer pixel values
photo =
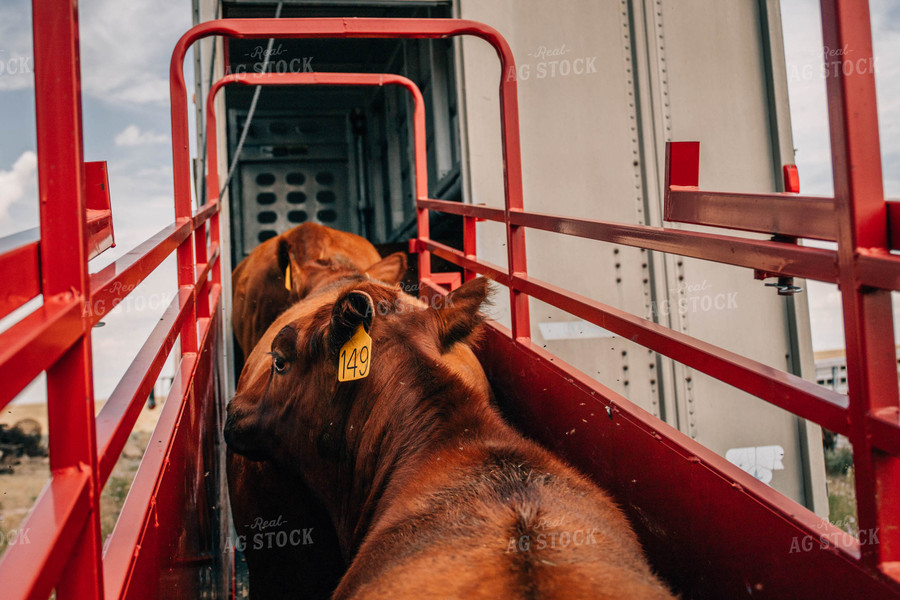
(388, 134)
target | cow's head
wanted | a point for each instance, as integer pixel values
(290, 406)
(302, 274)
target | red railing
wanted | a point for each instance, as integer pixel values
(858, 219)
(65, 550)
(710, 528)
(664, 457)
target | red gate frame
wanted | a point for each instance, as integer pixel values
(683, 499)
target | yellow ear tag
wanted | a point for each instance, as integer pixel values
(287, 278)
(356, 356)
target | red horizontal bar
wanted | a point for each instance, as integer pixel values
(792, 393)
(879, 269)
(465, 210)
(113, 283)
(31, 570)
(36, 342)
(772, 257)
(124, 544)
(884, 429)
(495, 272)
(782, 214)
(121, 411)
(19, 269)
(205, 212)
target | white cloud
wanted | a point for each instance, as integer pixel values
(126, 47)
(18, 182)
(133, 136)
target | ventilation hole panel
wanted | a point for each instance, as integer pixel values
(326, 197)
(296, 197)
(267, 217)
(266, 198)
(295, 178)
(265, 179)
(266, 234)
(297, 216)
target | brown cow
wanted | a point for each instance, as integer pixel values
(308, 253)
(279, 524)
(432, 493)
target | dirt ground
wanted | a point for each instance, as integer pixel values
(20, 489)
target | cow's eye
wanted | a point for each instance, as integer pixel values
(278, 363)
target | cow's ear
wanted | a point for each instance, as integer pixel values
(290, 275)
(458, 314)
(389, 269)
(352, 309)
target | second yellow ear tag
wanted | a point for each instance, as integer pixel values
(287, 278)
(356, 356)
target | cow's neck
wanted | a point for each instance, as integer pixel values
(427, 421)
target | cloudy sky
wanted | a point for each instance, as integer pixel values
(125, 52)
(809, 116)
(126, 47)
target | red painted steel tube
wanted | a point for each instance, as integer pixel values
(420, 163)
(495, 272)
(111, 284)
(374, 28)
(884, 429)
(782, 214)
(465, 210)
(139, 511)
(121, 411)
(61, 188)
(784, 390)
(868, 319)
(19, 269)
(36, 342)
(878, 269)
(135, 540)
(787, 214)
(53, 526)
(773, 257)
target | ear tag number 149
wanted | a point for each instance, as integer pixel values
(356, 356)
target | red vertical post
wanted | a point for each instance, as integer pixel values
(181, 174)
(61, 185)
(862, 227)
(202, 256)
(512, 182)
(420, 164)
(470, 242)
